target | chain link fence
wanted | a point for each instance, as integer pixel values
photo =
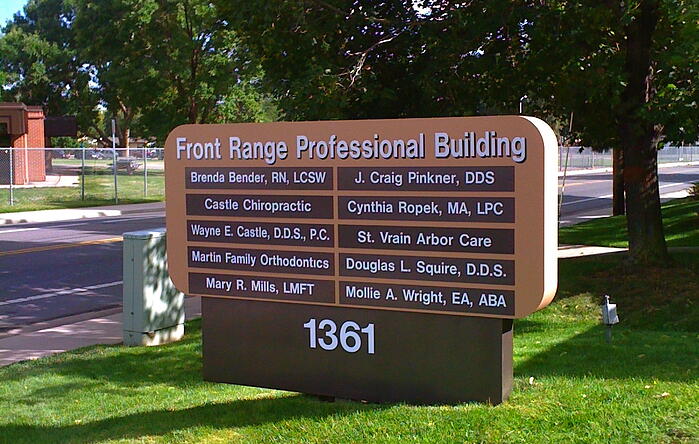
(581, 158)
(46, 178)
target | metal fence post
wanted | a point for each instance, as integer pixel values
(145, 172)
(114, 162)
(114, 172)
(12, 178)
(82, 175)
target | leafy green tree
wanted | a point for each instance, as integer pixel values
(149, 64)
(370, 59)
(626, 70)
(245, 103)
(332, 61)
(167, 62)
(40, 65)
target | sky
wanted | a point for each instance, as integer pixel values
(8, 9)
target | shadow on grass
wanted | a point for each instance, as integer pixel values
(656, 338)
(99, 191)
(240, 413)
(633, 353)
(649, 298)
(525, 326)
(680, 220)
(84, 375)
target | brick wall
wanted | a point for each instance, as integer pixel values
(18, 158)
(37, 166)
(28, 165)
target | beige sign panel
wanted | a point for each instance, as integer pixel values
(455, 216)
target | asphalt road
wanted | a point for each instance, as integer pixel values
(589, 196)
(59, 269)
(53, 270)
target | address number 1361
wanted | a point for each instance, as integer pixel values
(325, 334)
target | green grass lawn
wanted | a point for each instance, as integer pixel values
(570, 386)
(680, 220)
(99, 190)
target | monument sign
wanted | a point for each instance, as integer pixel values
(380, 259)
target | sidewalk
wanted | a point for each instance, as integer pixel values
(102, 329)
(568, 251)
(51, 181)
(78, 213)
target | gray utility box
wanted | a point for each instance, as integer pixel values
(153, 307)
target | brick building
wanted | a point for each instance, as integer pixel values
(22, 128)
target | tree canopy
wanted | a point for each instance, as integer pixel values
(40, 64)
(626, 69)
(151, 64)
(629, 72)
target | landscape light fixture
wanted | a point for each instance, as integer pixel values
(521, 103)
(609, 317)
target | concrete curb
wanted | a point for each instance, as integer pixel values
(128, 210)
(51, 323)
(54, 216)
(568, 251)
(78, 213)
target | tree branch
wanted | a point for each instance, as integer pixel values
(355, 72)
(101, 135)
(344, 14)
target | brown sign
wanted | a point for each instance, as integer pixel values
(451, 216)
(355, 353)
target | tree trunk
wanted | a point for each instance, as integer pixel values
(193, 110)
(618, 201)
(124, 136)
(643, 217)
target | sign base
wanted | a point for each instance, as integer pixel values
(359, 354)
